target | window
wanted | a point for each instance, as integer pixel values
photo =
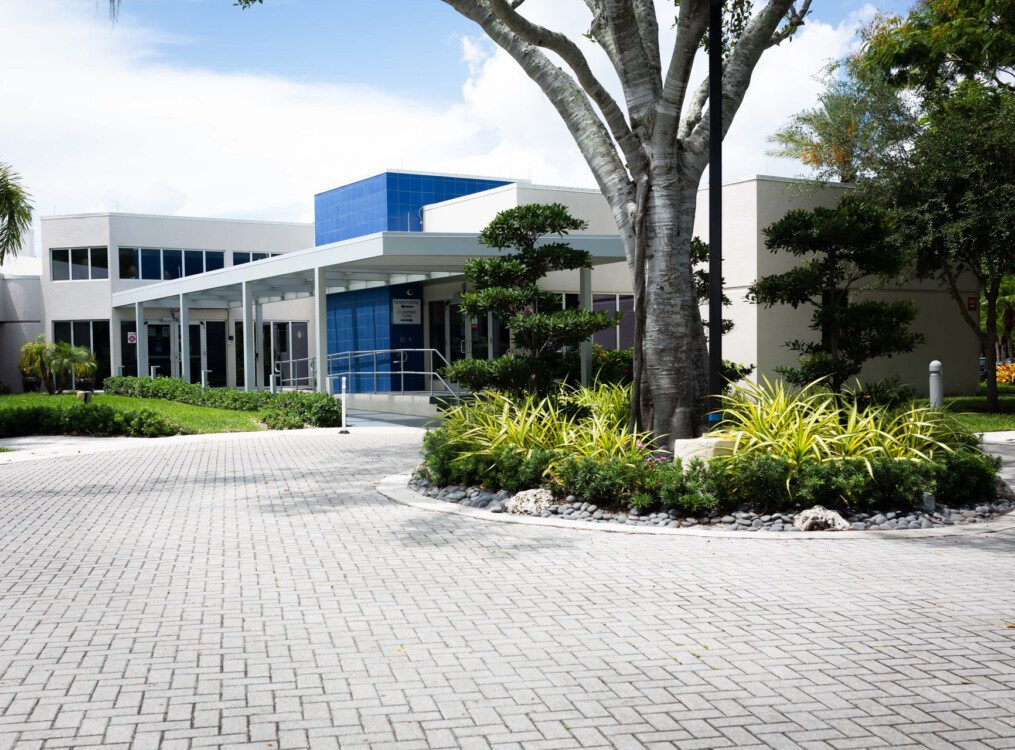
(239, 258)
(626, 328)
(605, 303)
(61, 265)
(128, 263)
(214, 260)
(151, 265)
(154, 264)
(92, 335)
(100, 263)
(193, 262)
(79, 263)
(172, 264)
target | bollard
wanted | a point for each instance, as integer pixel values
(153, 370)
(204, 378)
(937, 385)
(345, 428)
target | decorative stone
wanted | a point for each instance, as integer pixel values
(83, 396)
(819, 518)
(928, 503)
(529, 502)
(704, 448)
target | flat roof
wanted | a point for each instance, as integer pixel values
(379, 259)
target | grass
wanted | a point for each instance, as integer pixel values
(983, 422)
(193, 419)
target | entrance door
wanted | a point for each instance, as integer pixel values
(215, 352)
(160, 349)
(196, 360)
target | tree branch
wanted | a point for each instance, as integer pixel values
(569, 52)
(691, 25)
(639, 74)
(571, 103)
(737, 75)
(796, 20)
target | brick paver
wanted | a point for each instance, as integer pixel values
(256, 591)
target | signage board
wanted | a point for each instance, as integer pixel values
(406, 312)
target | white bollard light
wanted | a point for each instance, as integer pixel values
(345, 428)
(937, 385)
(153, 370)
(204, 378)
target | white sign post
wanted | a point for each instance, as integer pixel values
(345, 429)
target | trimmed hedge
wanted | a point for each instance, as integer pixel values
(291, 410)
(77, 418)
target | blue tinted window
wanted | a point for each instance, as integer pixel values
(258, 256)
(214, 260)
(151, 264)
(172, 264)
(61, 265)
(128, 263)
(193, 262)
(239, 258)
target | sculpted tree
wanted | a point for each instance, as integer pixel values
(647, 153)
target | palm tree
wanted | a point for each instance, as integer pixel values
(15, 212)
(48, 361)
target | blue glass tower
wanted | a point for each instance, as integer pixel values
(388, 202)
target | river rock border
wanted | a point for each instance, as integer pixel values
(397, 488)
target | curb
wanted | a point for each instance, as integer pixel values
(395, 487)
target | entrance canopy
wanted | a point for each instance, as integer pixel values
(375, 260)
(381, 259)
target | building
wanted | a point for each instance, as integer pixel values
(374, 284)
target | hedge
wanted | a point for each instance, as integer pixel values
(279, 411)
(77, 418)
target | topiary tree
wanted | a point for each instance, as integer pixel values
(508, 287)
(842, 247)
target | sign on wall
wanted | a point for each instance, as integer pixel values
(406, 312)
(131, 337)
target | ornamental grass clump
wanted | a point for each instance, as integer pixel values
(811, 424)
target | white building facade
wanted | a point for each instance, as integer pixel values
(371, 289)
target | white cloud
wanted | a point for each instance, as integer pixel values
(95, 119)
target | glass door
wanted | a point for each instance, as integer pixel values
(160, 353)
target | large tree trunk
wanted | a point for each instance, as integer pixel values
(672, 375)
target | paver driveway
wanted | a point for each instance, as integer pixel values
(255, 589)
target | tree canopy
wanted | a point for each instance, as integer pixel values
(15, 212)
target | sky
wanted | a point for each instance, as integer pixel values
(196, 107)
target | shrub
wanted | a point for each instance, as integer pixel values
(608, 481)
(642, 502)
(77, 418)
(967, 475)
(279, 411)
(687, 490)
(856, 485)
(756, 479)
(809, 424)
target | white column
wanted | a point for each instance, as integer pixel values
(185, 339)
(248, 338)
(585, 302)
(321, 328)
(258, 346)
(142, 340)
(115, 347)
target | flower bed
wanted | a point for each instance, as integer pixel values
(790, 450)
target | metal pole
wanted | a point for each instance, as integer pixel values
(715, 122)
(153, 371)
(204, 378)
(345, 428)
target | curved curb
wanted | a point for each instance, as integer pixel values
(395, 487)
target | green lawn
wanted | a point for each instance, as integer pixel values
(982, 422)
(193, 419)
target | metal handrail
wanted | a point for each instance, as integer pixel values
(295, 381)
(334, 366)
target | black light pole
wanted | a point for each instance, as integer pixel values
(715, 381)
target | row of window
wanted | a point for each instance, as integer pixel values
(80, 263)
(622, 335)
(92, 335)
(150, 264)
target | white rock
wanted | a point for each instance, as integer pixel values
(529, 501)
(702, 447)
(819, 518)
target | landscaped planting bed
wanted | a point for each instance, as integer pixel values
(779, 454)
